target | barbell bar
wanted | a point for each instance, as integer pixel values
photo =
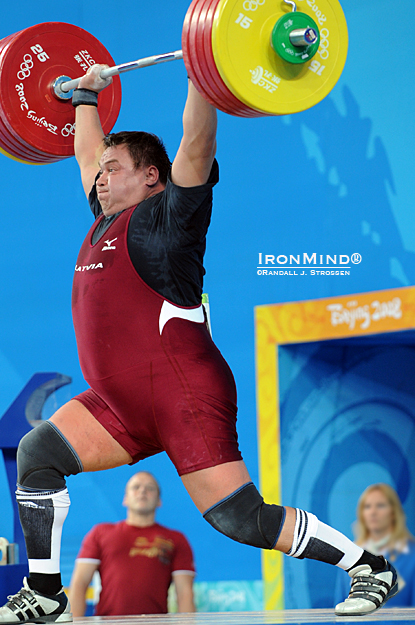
(63, 88)
(249, 58)
(299, 37)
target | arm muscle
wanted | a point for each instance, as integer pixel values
(194, 159)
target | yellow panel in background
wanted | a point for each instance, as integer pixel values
(256, 74)
(269, 444)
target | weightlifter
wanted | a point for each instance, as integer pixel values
(157, 381)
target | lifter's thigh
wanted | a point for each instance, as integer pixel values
(208, 486)
(96, 448)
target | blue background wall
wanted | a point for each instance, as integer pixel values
(347, 421)
(337, 179)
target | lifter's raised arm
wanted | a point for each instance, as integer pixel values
(194, 159)
(88, 130)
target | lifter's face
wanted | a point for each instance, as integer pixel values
(120, 185)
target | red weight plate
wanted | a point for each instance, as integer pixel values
(17, 150)
(19, 156)
(195, 52)
(11, 138)
(240, 107)
(22, 151)
(67, 128)
(188, 55)
(246, 111)
(16, 147)
(203, 43)
(191, 58)
(25, 151)
(5, 40)
(14, 144)
(197, 30)
(10, 142)
(232, 108)
(12, 130)
(35, 58)
(5, 153)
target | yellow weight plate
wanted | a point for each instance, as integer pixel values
(256, 74)
(14, 158)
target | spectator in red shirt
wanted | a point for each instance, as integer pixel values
(138, 553)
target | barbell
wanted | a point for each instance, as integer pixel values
(248, 58)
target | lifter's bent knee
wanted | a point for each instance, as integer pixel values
(44, 458)
(244, 517)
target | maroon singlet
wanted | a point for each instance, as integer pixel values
(158, 382)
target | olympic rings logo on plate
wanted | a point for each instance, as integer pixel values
(252, 5)
(324, 44)
(25, 67)
(68, 129)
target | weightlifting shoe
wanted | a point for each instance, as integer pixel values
(29, 606)
(369, 591)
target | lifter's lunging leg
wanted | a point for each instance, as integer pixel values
(230, 502)
(71, 441)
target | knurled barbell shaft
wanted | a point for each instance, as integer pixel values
(156, 59)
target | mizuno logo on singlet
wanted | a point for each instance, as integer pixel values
(108, 245)
(89, 267)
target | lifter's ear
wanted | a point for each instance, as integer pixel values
(152, 175)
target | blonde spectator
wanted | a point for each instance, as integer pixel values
(381, 529)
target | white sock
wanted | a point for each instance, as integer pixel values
(42, 514)
(317, 541)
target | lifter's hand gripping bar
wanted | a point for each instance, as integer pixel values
(62, 88)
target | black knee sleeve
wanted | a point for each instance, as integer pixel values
(44, 458)
(244, 517)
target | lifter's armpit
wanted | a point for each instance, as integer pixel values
(96, 448)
